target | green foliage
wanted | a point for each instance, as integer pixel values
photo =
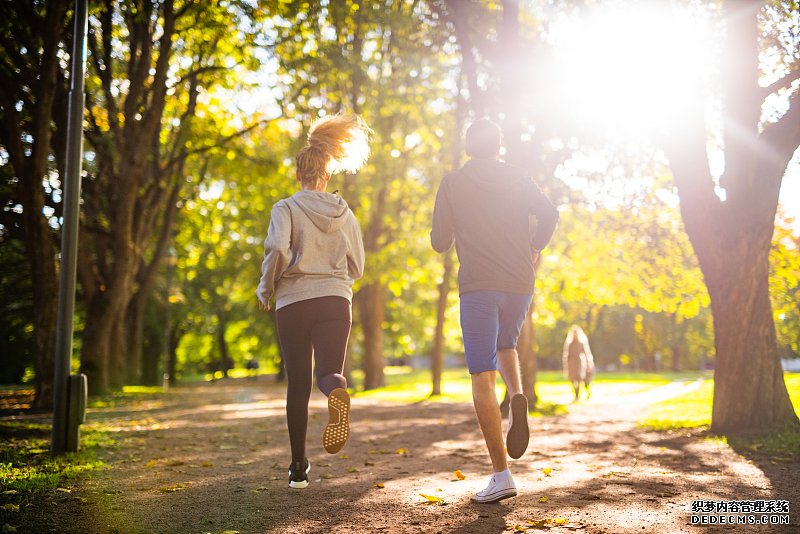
(785, 286)
(16, 308)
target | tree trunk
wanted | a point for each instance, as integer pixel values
(437, 353)
(224, 356)
(749, 390)
(371, 303)
(135, 337)
(95, 346)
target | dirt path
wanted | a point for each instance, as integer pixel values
(213, 458)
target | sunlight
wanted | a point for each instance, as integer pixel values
(632, 68)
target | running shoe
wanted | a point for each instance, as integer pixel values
(497, 490)
(338, 428)
(298, 474)
(518, 434)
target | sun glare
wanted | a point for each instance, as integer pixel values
(632, 67)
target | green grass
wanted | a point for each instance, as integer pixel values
(693, 410)
(404, 385)
(28, 468)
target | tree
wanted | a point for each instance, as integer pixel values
(386, 63)
(33, 91)
(732, 237)
(152, 67)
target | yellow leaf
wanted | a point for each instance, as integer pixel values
(207, 464)
(433, 498)
(401, 451)
(8, 528)
(380, 485)
(561, 521)
(543, 499)
(352, 470)
(230, 532)
(517, 528)
(459, 475)
(538, 523)
(150, 464)
(244, 462)
(344, 457)
(64, 490)
(547, 471)
(10, 507)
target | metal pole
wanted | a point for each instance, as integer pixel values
(69, 230)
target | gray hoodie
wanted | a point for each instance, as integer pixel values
(485, 208)
(313, 249)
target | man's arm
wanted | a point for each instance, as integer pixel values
(442, 230)
(546, 216)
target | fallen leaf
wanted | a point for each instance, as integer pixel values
(230, 532)
(539, 523)
(517, 528)
(401, 451)
(352, 470)
(176, 487)
(543, 499)
(9, 528)
(10, 507)
(459, 475)
(64, 490)
(244, 462)
(150, 464)
(561, 521)
(344, 457)
(10, 492)
(207, 464)
(547, 471)
(433, 498)
(380, 485)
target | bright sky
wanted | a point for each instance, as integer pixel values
(624, 68)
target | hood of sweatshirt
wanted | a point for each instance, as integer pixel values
(492, 175)
(327, 211)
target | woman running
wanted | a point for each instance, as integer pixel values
(312, 255)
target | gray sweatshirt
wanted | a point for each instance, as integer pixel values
(313, 249)
(485, 208)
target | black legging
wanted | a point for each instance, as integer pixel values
(319, 326)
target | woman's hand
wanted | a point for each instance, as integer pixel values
(263, 305)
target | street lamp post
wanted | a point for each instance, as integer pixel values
(69, 392)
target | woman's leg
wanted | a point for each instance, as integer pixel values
(295, 340)
(329, 337)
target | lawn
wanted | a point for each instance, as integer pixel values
(404, 385)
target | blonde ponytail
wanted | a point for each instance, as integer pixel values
(336, 143)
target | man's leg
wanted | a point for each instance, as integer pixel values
(488, 412)
(508, 365)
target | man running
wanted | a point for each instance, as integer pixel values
(485, 208)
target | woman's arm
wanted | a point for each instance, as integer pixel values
(277, 252)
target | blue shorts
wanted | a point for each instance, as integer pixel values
(490, 321)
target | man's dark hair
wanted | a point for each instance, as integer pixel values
(483, 139)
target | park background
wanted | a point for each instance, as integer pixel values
(665, 132)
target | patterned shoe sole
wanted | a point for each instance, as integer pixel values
(518, 435)
(338, 429)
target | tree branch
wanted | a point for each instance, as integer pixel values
(780, 84)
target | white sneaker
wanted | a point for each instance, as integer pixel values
(496, 490)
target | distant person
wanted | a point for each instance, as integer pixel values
(252, 367)
(312, 255)
(485, 208)
(578, 360)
